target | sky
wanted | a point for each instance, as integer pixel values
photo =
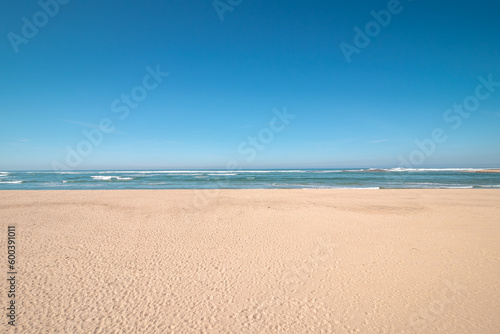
(249, 84)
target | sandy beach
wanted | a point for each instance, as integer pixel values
(254, 261)
(485, 171)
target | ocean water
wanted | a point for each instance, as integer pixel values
(392, 178)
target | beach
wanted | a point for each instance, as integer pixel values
(485, 171)
(254, 261)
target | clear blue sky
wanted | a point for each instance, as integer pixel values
(226, 78)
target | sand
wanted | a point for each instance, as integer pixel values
(484, 171)
(254, 261)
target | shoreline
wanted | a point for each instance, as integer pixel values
(256, 261)
(483, 171)
(253, 179)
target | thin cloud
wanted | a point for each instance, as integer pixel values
(377, 141)
(87, 125)
(92, 126)
(23, 140)
(174, 142)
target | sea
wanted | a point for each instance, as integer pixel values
(360, 178)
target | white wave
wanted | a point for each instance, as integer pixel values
(400, 169)
(447, 169)
(326, 171)
(490, 186)
(439, 186)
(431, 185)
(272, 171)
(75, 172)
(59, 172)
(222, 174)
(120, 171)
(199, 171)
(11, 182)
(333, 187)
(107, 178)
(154, 172)
(310, 186)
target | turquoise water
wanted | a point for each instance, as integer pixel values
(447, 178)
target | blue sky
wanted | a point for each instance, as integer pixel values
(228, 79)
